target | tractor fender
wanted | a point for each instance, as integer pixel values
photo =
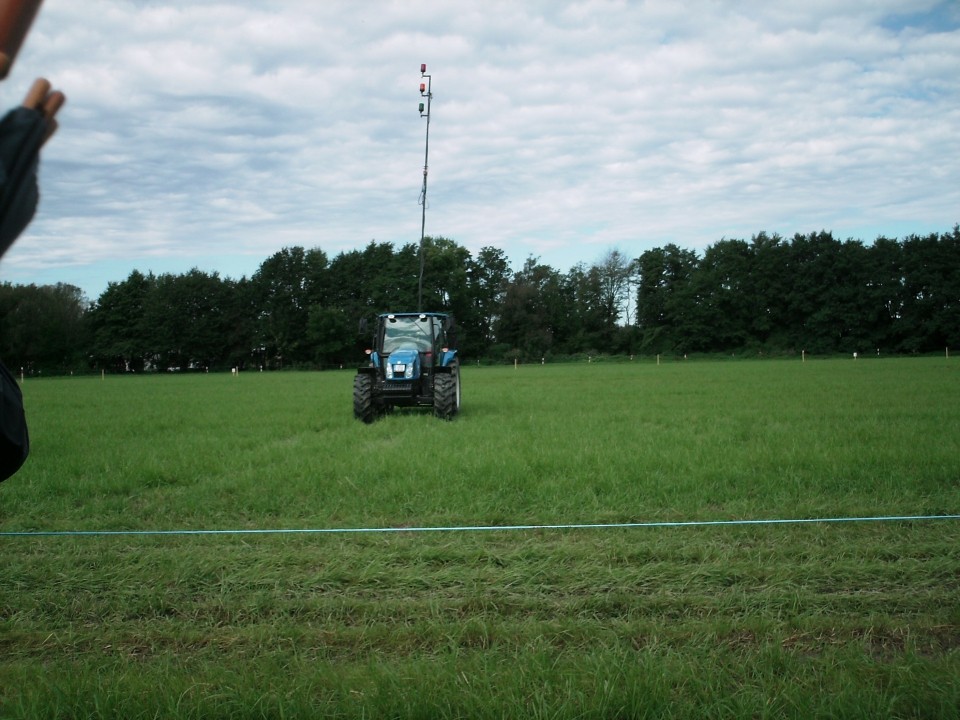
(447, 358)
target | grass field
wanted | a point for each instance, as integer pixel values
(825, 619)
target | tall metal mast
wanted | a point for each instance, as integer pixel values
(425, 91)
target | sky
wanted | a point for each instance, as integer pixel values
(210, 135)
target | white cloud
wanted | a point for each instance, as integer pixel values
(214, 133)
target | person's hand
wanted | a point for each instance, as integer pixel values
(45, 101)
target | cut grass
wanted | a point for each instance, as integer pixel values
(858, 620)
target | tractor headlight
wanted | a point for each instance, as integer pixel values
(388, 371)
(408, 373)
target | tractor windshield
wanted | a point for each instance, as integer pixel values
(407, 332)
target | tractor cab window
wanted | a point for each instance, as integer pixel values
(407, 332)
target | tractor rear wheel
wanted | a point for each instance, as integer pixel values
(363, 408)
(446, 393)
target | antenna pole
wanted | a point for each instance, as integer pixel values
(425, 91)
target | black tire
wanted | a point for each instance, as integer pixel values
(456, 374)
(363, 408)
(446, 393)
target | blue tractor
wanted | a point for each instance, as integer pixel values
(411, 364)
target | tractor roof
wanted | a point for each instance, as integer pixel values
(414, 314)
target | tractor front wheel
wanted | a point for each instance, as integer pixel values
(363, 408)
(446, 394)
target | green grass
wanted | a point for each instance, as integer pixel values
(851, 620)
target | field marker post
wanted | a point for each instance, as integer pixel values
(103, 374)
(658, 358)
(515, 363)
(803, 356)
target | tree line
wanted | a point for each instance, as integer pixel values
(770, 294)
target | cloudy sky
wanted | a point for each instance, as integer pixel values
(212, 134)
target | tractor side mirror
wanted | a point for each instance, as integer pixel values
(363, 326)
(451, 331)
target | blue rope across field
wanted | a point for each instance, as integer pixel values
(478, 528)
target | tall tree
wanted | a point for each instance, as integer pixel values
(769, 285)
(534, 320)
(240, 321)
(374, 280)
(281, 286)
(445, 283)
(931, 300)
(725, 297)
(120, 330)
(883, 306)
(664, 298)
(615, 273)
(190, 317)
(42, 328)
(828, 282)
(489, 275)
(331, 335)
(592, 318)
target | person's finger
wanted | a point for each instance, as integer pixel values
(52, 104)
(37, 93)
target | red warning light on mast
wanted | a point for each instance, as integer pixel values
(423, 67)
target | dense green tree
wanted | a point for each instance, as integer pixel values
(190, 319)
(374, 280)
(767, 288)
(42, 328)
(814, 265)
(721, 316)
(119, 325)
(665, 297)
(489, 275)
(883, 304)
(331, 335)
(812, 292)
(239, 308)
(534, 320)
(445, 280)
(282, 287)
(591, 324)
(930, 314)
